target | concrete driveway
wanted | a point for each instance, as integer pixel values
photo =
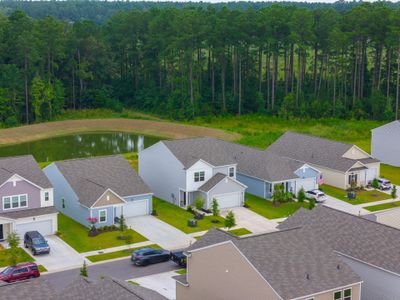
(163, 283)
(160, 232)
(250, 220)
(344, 206)
(61, 256)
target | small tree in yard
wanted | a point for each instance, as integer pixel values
(311, 204)
(301, 195)
(394, 192)
(199, 202)
(375, 183)
(230, 220)
(13, 242)
(128, 240)
(83, 270)
(215, 208)
(122, 225)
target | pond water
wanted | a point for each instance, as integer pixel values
(80, 145)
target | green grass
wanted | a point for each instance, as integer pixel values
(240, 231)
(76, 235)
(133, 282)
(181, 271)
(178, 217)
(383, 206)
(117, 254)
(268, 210)
(361, 198)
(391, 173)
(22, 256)
(42, 269)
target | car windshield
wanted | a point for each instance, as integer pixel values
(8, 271)
(38, 241)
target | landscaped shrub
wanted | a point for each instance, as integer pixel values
(154, 212)
(230, 220)
(394, 192)
(375, 183)
(301, 196)
(199, 202)
(311, 204)
(190, 209)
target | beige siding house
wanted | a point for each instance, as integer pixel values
(339, 163)
(281, 265)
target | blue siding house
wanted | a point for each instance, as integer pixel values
(101, 187)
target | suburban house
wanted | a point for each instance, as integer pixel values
(181, 170)
(100, 187)
(385, 143)
(80, 288)
(341, 164)
(368, 247)
(26, 198)
(288, 264)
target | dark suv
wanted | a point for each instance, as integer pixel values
(20, 272)
(147, 256)
(36, 242)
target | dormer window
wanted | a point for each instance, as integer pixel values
(231, 172)
(199, 176)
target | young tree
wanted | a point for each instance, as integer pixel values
(83, 270)
(199, 202)
(311, 203)
(13, 242)
(301, 195)
(375, 183)
(230, 220)
(122, 224)
(394, 192)
(215, 208)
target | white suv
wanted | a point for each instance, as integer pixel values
(384, 184)
(317, 195)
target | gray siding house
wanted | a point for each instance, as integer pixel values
(385, 143)
(178, 171)
(26, 198)
(368, 247)
(101, 187)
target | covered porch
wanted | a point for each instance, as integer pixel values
(6, 227)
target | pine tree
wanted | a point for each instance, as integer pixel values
(230, 220)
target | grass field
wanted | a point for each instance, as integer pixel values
(239, 231)
(383, 206)
(76, 235)
(361, 198)
(117, 254)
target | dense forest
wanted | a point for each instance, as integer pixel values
(281, 60)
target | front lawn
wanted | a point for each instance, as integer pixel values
(22, 257)
(117, 254)
(76, 235)
(239, 231)
(383, 206)
(268, 210)
(178, 217)
(363, 196)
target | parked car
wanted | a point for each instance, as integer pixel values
(20, 272)
(147, 256)
(317, 195)
(179, 258)
(36, 242)
(384, 184)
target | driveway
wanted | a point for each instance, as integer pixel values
(344, 206)
(160, 232)
(61, 256)
(163, 283)
(250, 220)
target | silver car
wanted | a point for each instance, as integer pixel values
(317, 195)
(384, 184)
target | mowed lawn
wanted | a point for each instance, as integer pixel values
(383, 206)
(22, 256)
(361, 198)
(268, 210)
(117, 254)
(76, 235)
(178, 217)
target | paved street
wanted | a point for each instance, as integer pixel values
(120, 269)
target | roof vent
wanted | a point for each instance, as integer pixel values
(338, 267)
(308, 276)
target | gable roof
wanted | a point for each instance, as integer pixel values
(37, 289)
(389, 127)
(250, 161)
(24, 166)
(351, 235)
(291, 261)
(91, 177)
(315, 150)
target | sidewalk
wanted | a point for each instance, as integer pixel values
(119, 248)
(377, 202)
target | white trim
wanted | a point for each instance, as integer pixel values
(23, 178)
(19, 201)
(308, 166)
(227, 177)
(179, 198)
(100, 210)
(340, 288)
(108, 190)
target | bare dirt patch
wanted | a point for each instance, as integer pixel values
(147, 127)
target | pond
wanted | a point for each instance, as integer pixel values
(80, 145)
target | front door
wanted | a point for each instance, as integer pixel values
(1, 232)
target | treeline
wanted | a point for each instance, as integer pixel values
(280, 60)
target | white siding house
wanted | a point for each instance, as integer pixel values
(385, 143)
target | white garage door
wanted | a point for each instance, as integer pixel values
(228, 200)
(44, 227)
(307, 185)
(136, 208)
(371, 174)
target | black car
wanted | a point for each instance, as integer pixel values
(36, 242)
(147, 256)
(179, 258)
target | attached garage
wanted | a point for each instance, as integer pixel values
(46, 225)
(136, 208)
(307, 184)
(228, 200)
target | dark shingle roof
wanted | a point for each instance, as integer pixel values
(29, 212)
(36, 289)
(295, 262)
(25, 166)
(315, 150)
(91, 177)
(354, 236)
(250, 161)
(213, 181)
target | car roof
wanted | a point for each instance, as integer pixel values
(145, 249)
(26, 264)
(34, 234)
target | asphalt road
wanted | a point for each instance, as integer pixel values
(120, 269)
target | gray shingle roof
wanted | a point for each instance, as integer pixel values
(315, 150)
(250, 161)
(354, 236)
(285, 258)
(25, 166)
(213, 181)
(36, 289)
(30, 212)
(91, 177)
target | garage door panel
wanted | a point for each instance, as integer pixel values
(308, 185)
(228, 200)
(136, 208)
(43, 227)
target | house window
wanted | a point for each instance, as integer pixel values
(352, 178)
(231, 172)
(16, 201)
(347, 294)
(199, 176)
(337, 295)
(46, 196)
(102, 216)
